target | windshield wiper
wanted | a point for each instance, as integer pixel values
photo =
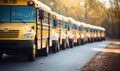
(20, 20)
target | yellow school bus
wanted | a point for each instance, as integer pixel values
(89, 33)
(74, 32)
(95, 36)
(70, 32)
(92, 33)
(77, 33)
(82, 31)
(99, 28)
(25, 28)
(56, 31)
(103, 33)
(86, 33)
(97, 33)
(64, 32)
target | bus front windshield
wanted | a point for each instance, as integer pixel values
(17, 14)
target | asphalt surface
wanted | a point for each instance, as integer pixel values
(71, 59)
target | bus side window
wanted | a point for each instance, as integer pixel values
(54, 23)
(81, 28)
(41, 14)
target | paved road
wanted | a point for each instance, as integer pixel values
(65, 60)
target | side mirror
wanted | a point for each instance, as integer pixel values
(32, 27)
(41, 14)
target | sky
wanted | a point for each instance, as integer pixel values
(106, 2)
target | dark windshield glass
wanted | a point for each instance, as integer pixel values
(81, 28)
(88, 29)
(76, 27)
(63, 25)
(17, 14)
(22, 13)
(4, 14)
(54, 23)
(70, 26)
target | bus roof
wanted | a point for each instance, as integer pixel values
(56, 16)
(77, 23)
(103, 29)
(64, 18)
(25, 3)
(71, 20)
(89, 26)
(43, 6)
(84, 24)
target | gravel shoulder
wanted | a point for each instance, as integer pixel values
(107, 59)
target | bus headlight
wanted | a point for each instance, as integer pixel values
(29, 35)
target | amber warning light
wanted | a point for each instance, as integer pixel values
(31, 2)
(10, 1)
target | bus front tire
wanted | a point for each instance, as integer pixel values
(46, 51)
(63, 44)
(55, 47)
(32, 54)
(78, 42)
(82, 41)
(71, 43)
(1, 55)
(58, 46)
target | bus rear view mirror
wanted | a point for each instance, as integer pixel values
(41, 14)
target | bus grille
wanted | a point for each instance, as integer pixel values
(9, 34)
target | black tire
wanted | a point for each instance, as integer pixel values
(63, 44)
(103, 38)
(82, 41)
(71, 44)
(92, 40)
(54, 46)
(46, 51)
(1, 55)
(58, 46)
(32, 54)
(78, 42)
(89, 40)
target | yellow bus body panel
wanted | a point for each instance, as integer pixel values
(18, 29)
(16, 2)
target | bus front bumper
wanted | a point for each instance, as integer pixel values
(16, 47)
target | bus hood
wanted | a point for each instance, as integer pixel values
(16, 25)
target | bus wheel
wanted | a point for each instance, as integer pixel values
(63, 44)
(32, 54)
(1, 55)
(46, 51)
(58, 46)
(54, 46)
(82, 41)
(71, 43)
(78, 42)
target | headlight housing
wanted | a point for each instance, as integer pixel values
(29, 35)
